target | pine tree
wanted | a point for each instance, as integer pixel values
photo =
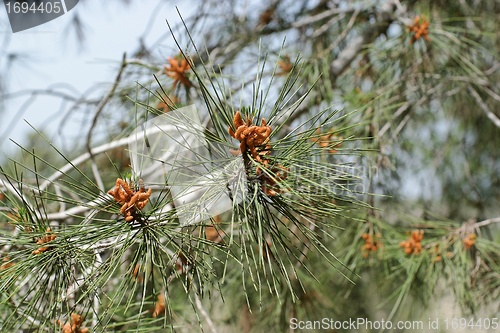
(285, 163)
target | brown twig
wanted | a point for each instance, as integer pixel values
(104, 101)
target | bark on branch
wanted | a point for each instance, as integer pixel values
(384, 18)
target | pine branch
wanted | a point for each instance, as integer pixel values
(384, 18)
(494, 119)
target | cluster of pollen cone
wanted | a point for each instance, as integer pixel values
(131, 200)
(254, 142)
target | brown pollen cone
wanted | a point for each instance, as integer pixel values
(131, 201)
(254, 142)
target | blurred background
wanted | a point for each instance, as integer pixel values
(48, 69)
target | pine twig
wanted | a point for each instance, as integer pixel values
(349, 54)
(204, 313)
(484, 107)
(104, 101)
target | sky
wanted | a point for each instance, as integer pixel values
(53, 59)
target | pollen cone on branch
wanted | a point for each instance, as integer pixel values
(136, 274)
(327, 140)
(6, 263)
(166, 103)
(159, 308)
(469, 241)
(213, 232)
(131, 200)
(412, 245)
(74, 325)
(285, 65)
(49, 237)
(177, 69)
(254, 141)
(419, 28)
(270, 183)
(437, 255)
(372, 244)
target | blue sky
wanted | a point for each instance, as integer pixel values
(55, 59)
